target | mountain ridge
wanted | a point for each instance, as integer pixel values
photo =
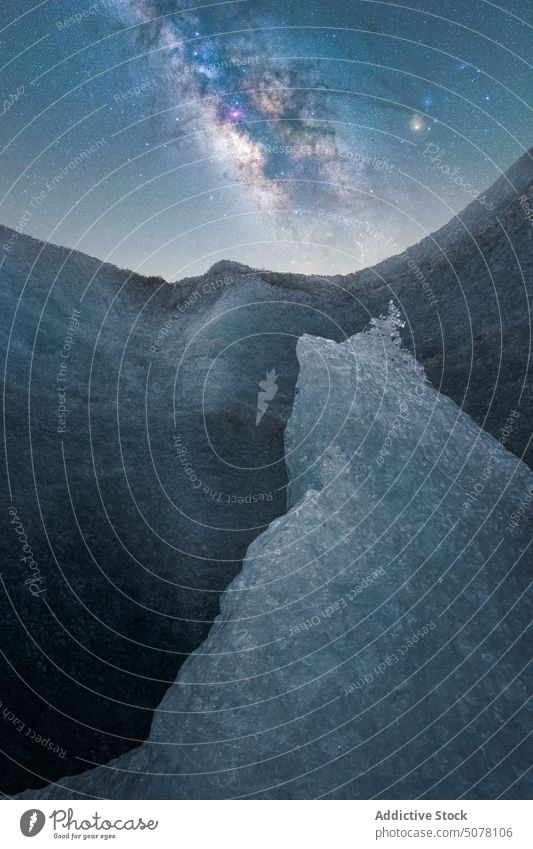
(502, 191)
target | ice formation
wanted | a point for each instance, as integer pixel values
(373, 643)
(141, 497)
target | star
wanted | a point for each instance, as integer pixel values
(417, 123)
(235, 114)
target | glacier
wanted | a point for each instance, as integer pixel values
(373, 644)
(140, 511)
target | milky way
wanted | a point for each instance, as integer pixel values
(297, 136)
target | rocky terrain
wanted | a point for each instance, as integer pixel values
(137, 471)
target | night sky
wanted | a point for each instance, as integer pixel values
(293, 135)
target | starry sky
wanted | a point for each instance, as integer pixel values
(297, 135)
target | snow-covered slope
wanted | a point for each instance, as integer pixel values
(139, 512)
(374, 643)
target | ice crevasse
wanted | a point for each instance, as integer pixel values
(374, 642)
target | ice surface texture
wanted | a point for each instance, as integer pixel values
(374, 642)
(162, 394)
